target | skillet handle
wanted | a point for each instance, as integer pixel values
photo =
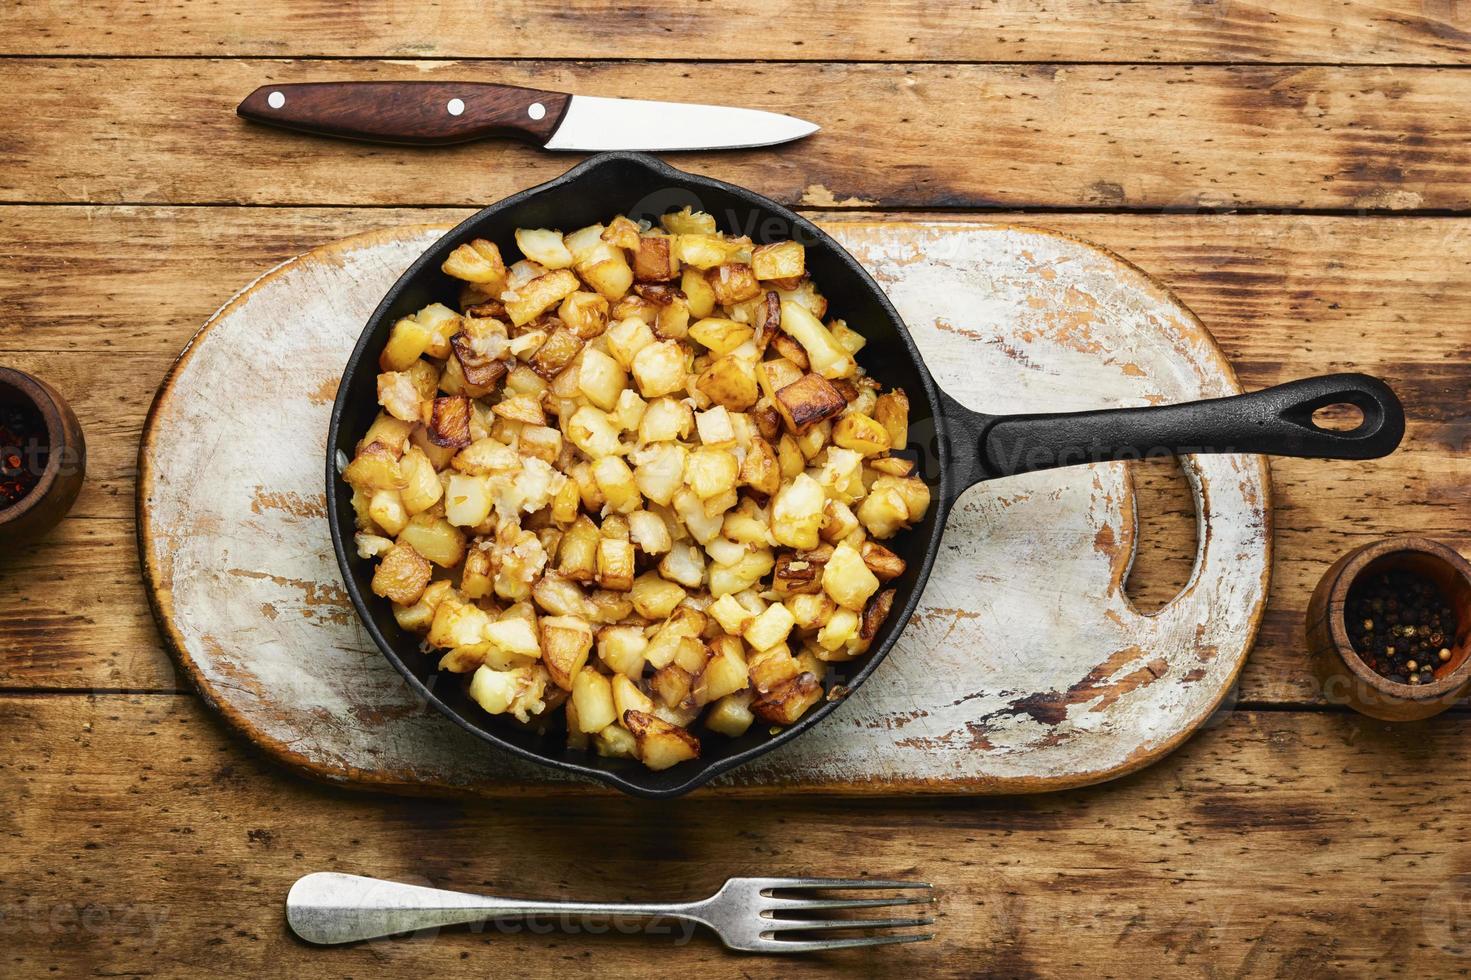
(1276, 421)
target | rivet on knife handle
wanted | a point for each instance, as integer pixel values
(414, 113)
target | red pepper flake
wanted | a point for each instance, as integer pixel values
(23, 452)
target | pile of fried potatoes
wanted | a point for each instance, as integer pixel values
(636, 478)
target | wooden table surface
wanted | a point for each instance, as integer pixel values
(1298, 172)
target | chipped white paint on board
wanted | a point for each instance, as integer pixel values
(240, 564)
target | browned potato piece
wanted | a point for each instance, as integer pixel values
(479, 370)
(733, 283)
(731, 382)
(615, 564)
(807, 401)
(760, 470)
(875, 613)
(660, 744)
(653, 261)
(621, 232)
(558, 351)
(780, 260)
(672, 684)
(450, 426)
(797, 573)
(565, 644)
(892, 465)
(478, 262)
(791, 350)
(402, 575)
(892, 412)
(584, 313)
(789, 700)
(376, 467)
(881, 561)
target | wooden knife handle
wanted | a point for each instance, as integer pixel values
(414, 113)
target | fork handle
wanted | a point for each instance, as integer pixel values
(329, 908)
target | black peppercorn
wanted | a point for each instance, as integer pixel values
(1401, 625)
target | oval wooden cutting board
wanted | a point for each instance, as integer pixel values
(1025, 667)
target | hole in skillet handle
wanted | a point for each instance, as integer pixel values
(641, 186)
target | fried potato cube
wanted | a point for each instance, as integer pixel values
(810, 610)
(781, 260)
(702, 251)
(726, 579)
(544, 247)
(769, 668)
(789, 700)
(884, 512)
(730, 614)
(791, 350)
(660, 469)
(610, 276)
(687, 221)
(874, 614)
(601, 379)
(577, 553)
(861, 434)
(591, 431)
(400, 397)
(654, 259)
(665, 420)
(402, 575)
(847, 579)
(649, 533)
(407, 342)
(530, 300)
(519, 691)
(838, 521)
(684, 564)
(559, 350)
(711, 471)
(724, 673)
(615, 565)
(617, 484)
(796, 573)
(731, 716)
(770, 628)
(884, 564)
(796, 513)
(457, 623)
(807, 401)
(730, 382)
(916, 493)
(697, 293)
(841, 627)
(828, 358)
(659, 369)
(467, 500)
(514, 634)
(627, 337)
(628, 696)
(622, 233)
(435, 538)
(719, 334)
(592, 695)
(614, 742)
(374, 468)
(478, 261)
(449, 425)
(621, 649)
(672, 684)
(733, 283)
(371, 545)
(584, 313)
(565, 644)
(660, 744)
(760, 470)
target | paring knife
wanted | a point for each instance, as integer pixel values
(435, 113)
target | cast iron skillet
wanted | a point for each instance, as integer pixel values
(955, 447)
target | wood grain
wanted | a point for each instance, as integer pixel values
(1033, 136)
(146, 842)
(1387, 31)
(1286, 296)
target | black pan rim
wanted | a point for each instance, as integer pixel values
(700, 771)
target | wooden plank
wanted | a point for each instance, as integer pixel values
(1142, 137)
(884, 30)
(1286, 296)
(144, 842)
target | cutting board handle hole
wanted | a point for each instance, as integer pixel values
(1165, 553)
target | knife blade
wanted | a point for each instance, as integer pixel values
(439, 113)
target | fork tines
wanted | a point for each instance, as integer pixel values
(790, 932)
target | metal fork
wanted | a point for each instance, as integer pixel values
(748, 914)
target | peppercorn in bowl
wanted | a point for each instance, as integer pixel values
(624, 489)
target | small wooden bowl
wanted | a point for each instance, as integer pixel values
(1346, 679)
(66, 461)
